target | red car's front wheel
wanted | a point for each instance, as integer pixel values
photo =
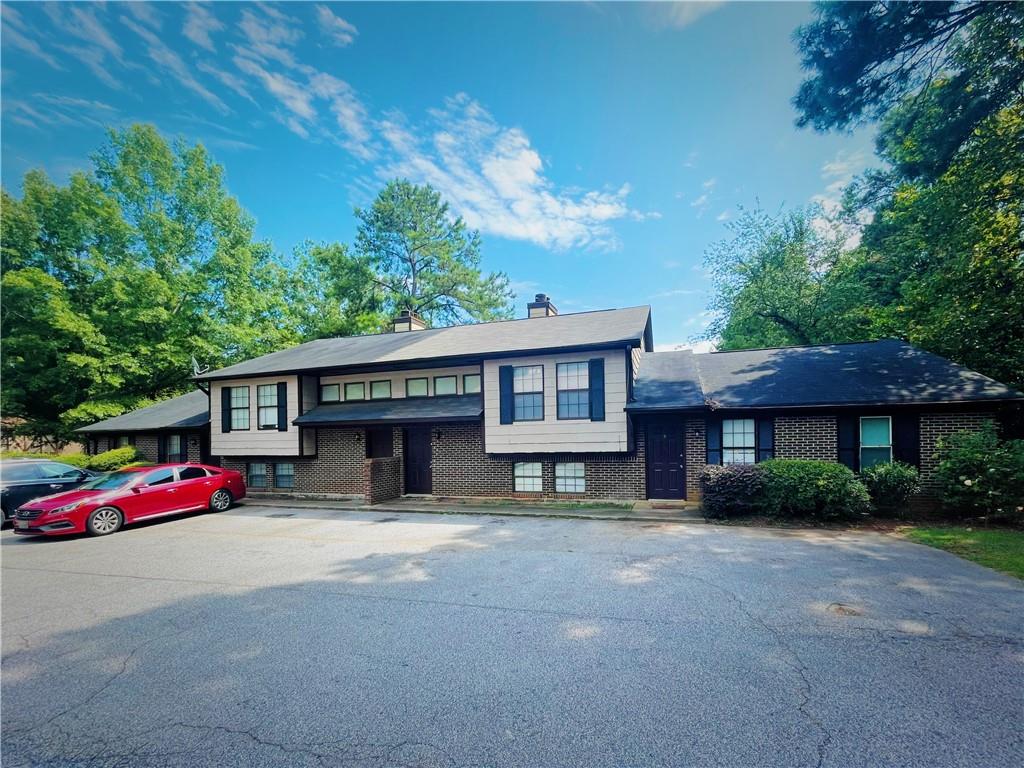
(104, 521)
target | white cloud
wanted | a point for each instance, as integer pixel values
(200, 23)
(709, 184)
(495, 179)
(45, 110)
(341, 32)
(691, 159)
(837, 175)
(95, 60)
(697, 347)
(228, 79)
(295, 97)
(145, 12)
(173, 64)
(724, 216)
(670, 264)
(679, 15)
(678, 292)
(84, 25)
(17, 34)
(270, 36)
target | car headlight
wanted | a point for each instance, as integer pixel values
(66, 508)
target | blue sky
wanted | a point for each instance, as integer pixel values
(599, 148)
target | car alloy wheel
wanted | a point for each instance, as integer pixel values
(220, 501)
(103, 521)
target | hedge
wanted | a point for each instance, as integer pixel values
(107, 461)
(890, 486)
(732, 491)
(982, 475)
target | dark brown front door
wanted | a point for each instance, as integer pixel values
(417, 460)
(666, 471)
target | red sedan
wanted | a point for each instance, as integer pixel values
(103, 505)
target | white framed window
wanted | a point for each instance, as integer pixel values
(355, 390)
(570, 477)
(266, 406)
(875, 440)
(330, 393)
(528, 393)
(445, 385)
(470, 383)
(573, 390)
(416, 387)
(256, 475)
(380, 390)
(239, 408)
(738, 445)
(284, 475)
(528, 477)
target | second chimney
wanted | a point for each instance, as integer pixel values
(541, 306)
(408, 320)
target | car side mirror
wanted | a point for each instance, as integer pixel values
(83, 475)
(137, 489)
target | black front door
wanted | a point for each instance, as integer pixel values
(417, 460)
(666, 471)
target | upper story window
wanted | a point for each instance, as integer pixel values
(573, 390)
(528, 393)
(416, 387)
(266, 406)
(355, 390)
(470, 383)
(738, 446)
(239, 407)
(445, 385)
(380, 390)
(875, 440)
(330, 393)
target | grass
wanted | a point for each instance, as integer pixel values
(1001, 550)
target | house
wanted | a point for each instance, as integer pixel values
(574, 406)
(173, 430)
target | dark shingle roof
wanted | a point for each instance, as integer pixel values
(611, 326)
(883, 372)
(187, 411)
(405, 410)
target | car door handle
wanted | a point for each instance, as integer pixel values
(56, 485)
(172, 490)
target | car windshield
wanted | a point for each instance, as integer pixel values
(111, 481)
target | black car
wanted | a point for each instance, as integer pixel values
(22, 480)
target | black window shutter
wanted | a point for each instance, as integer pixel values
(225, 409)
(282, 406)
(713, 438)
(849, 440)
(596, 373)
(506, 401)
(765, 439)
(161, 449)
(906, 438)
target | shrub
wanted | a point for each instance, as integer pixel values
(817, 490)
(981, 475)
(732, 491)
(890, 485)
(108, 461)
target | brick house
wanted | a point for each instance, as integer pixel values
(574, 406)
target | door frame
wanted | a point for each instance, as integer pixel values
(406, 433)
(665, 423)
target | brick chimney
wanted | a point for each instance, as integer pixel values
(541, 306)
(408, 320)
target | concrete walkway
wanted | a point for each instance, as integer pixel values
(641, 511)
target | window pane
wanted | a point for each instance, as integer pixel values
(23, 472)
(570, 477)
(528, 477)
(471, 384)
(239, 418)
(737, 455)
(573, 375)
(191, 473)
(380, 390)
(529, 407)
(415, 387)
(444, 385)
(874, 431)
(869, 457)
(239, 397)
(51, 469)
(123, 441)
(574, 404)
(529, 378)
(159, 477)
(738, 433)
(257, 476)
(355, 391)
(266, 394)
(284, 475)
(330, 393)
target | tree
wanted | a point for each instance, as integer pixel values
(783, 280)
(115, 281)
(866, 59)
(426, 260)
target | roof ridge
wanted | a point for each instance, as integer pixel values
(802, 346)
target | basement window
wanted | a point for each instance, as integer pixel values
(256, 475)
(570, 477)
(528, 478)
(284, 475)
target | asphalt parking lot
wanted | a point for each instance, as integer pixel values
(276, 636)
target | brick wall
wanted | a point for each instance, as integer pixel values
(696, 456)
(148, 446)
(382, 479)
(461, 468)
(807, 437)
(338, 466)
(935, 426)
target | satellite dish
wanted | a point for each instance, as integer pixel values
(196, 369)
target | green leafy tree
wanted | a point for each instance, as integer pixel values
(425, 259)
(115, 281)
(784, 279)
